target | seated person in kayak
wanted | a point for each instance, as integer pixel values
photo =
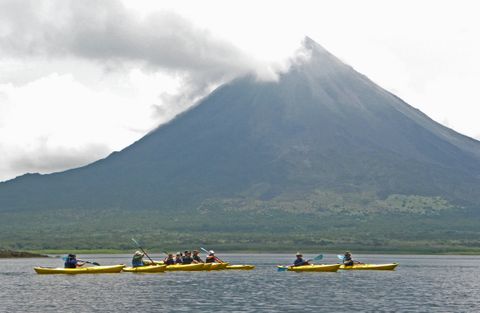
(178, 258)
(137, 259)
(211, 257)
(299, 261)
(187, 258)
(196, 258)
(347, 259)
(169, 260)
(72, 262)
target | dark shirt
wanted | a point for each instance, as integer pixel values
(197, 258)
(210, 259)
(71, 263)
(300, 262)
(178, 260)
(187, 260)
(137, 261)
(168, 261)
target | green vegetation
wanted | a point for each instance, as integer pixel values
(323, 220)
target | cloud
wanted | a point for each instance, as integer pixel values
(107, 33)
(61, 44)
(47, 159)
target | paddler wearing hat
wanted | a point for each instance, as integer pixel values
(299, 261)
(137, 259)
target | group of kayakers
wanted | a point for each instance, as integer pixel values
(187, 257)
(193, 257)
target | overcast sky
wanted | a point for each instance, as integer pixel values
(80, 79)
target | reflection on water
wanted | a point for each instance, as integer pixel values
(420, 283)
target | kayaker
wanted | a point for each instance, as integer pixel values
(72, 262)
(187, 258)
(211, 257)
(137, 259)
(169, 260)
(347, 259)
(196, 258)
(178, 258)
(299, 261)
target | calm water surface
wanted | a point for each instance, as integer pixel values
(420, 284)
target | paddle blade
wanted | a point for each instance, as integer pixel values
(133, 239)
(340, 257)
(282, 269)
(95, 263)
(318, 257)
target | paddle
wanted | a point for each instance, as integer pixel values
(140, 247)
(94, 263)
(284, 268)
(208, 252)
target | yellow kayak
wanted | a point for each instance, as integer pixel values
(207, 266)
(218, 266)
(244, 267)
(146, 269)
(314, 268)
(370, 267)
(80, 270)
(185, 267)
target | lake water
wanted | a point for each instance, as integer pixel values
(420, 284)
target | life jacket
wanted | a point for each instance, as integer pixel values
(178, 261)
(70, 263)
(168, 261)
(210, 259)
(187, 260)
(299, 262)
(137, 261)
(197, 258)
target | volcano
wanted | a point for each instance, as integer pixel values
(321, 127)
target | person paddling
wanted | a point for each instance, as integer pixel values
(347, 259)
(72, 262)
(178, 258)
(299, 261)
(169, 260)
(196, 258)
(211, 257)
(187, 258)
(137, 259)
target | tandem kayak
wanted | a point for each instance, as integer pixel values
(80, 270)
(312, 268)
(146, 269)
(185, 267)
(244, 267)
(370, 267)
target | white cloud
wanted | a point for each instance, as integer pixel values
(94, 76)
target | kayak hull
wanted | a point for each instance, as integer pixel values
(185, 267)
(370, 267)
(218, 266)
(80, 270)
(243, 267)
(146, 269)
(207, 266)
(313, 268)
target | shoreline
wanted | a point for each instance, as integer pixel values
(57, 252)
(12, 254)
